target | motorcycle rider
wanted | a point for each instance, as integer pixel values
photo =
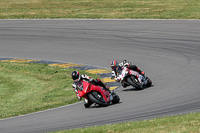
(77, 77)
(118, 67)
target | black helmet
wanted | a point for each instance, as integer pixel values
(75, 75)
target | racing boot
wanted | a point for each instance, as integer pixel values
(107, 88)
(100, 83)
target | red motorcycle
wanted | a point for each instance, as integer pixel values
(95, 94)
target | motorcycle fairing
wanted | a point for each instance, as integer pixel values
(85, 87)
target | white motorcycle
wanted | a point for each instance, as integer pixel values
(129, 77)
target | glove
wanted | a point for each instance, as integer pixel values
(117, 79)
(127, 64)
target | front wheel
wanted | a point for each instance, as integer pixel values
(134, 82)
(96, 97)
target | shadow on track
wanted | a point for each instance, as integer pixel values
(97, 106)
(136, 89)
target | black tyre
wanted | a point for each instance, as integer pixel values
(116, 98)
(97, 98)
(149, 82)
(134, 82)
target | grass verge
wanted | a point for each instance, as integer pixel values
(96, 9)
(31, 87)
(189, 123)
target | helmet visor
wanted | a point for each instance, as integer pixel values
(75, 77)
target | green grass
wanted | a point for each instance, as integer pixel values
(29, 87)
(112, 9)
(26, 88)
(189, 123)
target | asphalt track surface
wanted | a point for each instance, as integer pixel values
(167, 50)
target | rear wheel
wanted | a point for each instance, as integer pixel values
(149, 82)
(116, 98)
(134, 82)
(96, 97)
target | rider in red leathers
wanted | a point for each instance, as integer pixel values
(77, 77)
(117, 68)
